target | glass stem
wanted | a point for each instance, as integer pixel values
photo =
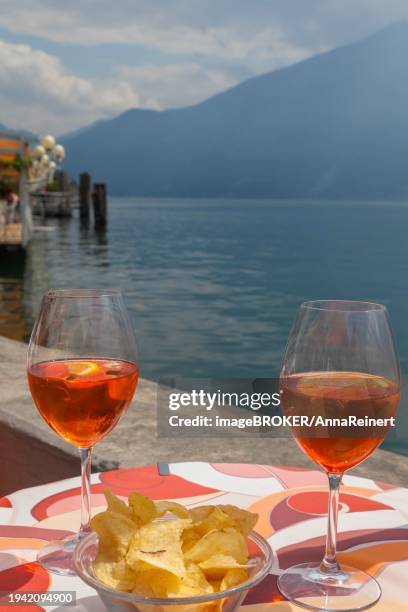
(86, 461)
(329, 564)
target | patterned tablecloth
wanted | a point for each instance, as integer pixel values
(291, 503)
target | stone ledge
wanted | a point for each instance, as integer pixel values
(33, 454)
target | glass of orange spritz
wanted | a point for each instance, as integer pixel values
(341, 372)
(82, 372)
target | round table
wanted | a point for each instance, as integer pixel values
(291, 503)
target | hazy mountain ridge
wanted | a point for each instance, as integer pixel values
(78, 131)
(14, 132)
(333, 126)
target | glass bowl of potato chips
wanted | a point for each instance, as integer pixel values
(158, 556)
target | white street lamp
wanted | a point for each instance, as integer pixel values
(47, 157)
(48, 142)
(58, 152)
(38, 152)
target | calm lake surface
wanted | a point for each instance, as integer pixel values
(213, 286)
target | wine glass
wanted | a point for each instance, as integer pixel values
(340, 363)
(82, 374)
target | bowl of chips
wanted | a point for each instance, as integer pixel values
(162, 557)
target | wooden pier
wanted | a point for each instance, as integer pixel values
(11, 230)
(11, 235)
(53, 204)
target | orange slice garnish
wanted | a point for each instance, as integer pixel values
(82, 368)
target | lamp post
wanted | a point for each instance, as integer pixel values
(47, 157)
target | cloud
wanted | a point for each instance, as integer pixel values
(195, 57)
(278, 31)
(37, 92)
(199, 49)
(169, 85)
(179, 30)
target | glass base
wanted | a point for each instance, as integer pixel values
(348, 590)
(56, 556)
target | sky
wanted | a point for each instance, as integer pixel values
(65, 64)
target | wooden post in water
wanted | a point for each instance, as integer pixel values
(100, 205)
(84, 195)
(62, 180)
(58, 179)
(65, 182)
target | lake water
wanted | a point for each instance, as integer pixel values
(213, 286)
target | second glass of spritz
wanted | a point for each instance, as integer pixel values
(341, 375)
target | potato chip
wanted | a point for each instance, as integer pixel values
(199, 513)
(243, 520)
(189, 538)
(194, 583)
(162, 507)
(142, 508)
(155, 583)
(207, 518)
(158, 545)
(215, 585)
(218, 565)
(114, 531)
(233, 577)
(200, 552)
(225, 542)
(115, 574)
(115, 504)
(215, 519)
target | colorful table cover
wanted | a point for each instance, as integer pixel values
(291, 503)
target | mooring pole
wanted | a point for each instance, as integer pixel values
(84, 195)
(100, 206)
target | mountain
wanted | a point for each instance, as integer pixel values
(13, 132)
(70, 135)
(333, 126)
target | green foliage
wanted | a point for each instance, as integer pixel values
(18, 163)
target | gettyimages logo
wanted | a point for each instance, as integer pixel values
(223, 408)
(253, 408)
(209, 401)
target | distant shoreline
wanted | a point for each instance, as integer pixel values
(305, 201)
